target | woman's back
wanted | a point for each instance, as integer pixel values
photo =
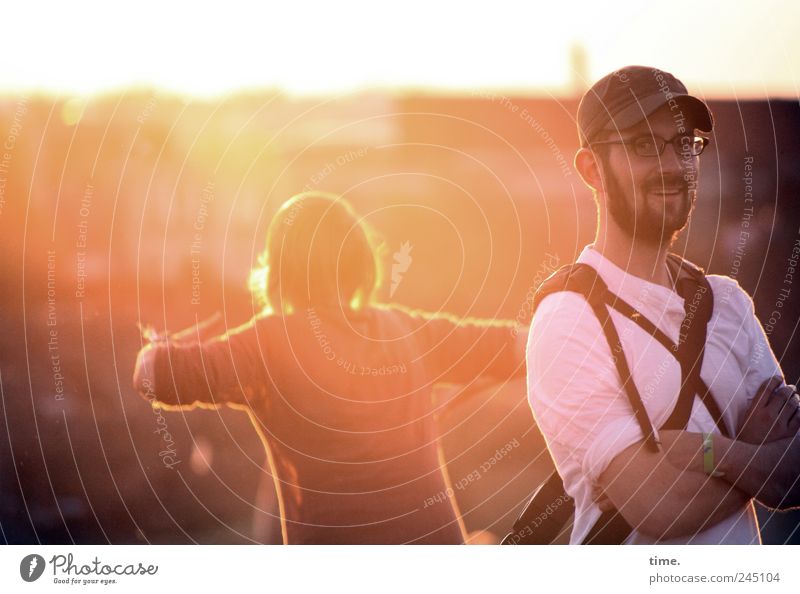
(349, 422)
(344, 407)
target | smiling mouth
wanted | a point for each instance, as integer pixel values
(670, 187)
(667, 192)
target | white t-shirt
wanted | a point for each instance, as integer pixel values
(577, 399)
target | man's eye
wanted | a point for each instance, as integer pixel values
(645, 145)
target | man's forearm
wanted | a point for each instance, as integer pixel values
(703, 501)
(667, 500)
(769, 472)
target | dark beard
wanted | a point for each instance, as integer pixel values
(642, 224)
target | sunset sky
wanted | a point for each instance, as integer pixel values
(718, 48)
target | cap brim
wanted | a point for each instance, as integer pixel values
(691, 106)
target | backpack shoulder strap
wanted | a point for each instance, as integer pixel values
(577, 278)
(680, 266)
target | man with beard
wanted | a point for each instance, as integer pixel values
(606, 405)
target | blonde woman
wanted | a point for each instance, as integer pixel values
(337, 386)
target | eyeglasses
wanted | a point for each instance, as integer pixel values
(653, 146)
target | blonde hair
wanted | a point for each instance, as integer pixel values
(319, 254)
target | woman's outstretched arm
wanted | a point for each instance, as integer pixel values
(228, 369)
(461, 350)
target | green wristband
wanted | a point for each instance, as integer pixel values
(708, 456)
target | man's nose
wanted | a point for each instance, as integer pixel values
(671, 160)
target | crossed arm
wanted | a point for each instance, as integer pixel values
(667, 494)
(763, 460)
(662, 500)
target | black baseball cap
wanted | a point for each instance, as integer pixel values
(628, 95)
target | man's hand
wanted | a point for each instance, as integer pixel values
(774, 414)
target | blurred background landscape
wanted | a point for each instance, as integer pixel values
(148, 205)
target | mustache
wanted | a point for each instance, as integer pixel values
(671, 180)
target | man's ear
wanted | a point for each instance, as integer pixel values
(589, 169)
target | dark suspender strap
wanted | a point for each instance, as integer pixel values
(711, 406)
(683, 408)
(618, 356)
(690, 358)
(694, 288)
(612, 527)
(643, 322)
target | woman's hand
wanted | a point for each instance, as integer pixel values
(144, 373)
